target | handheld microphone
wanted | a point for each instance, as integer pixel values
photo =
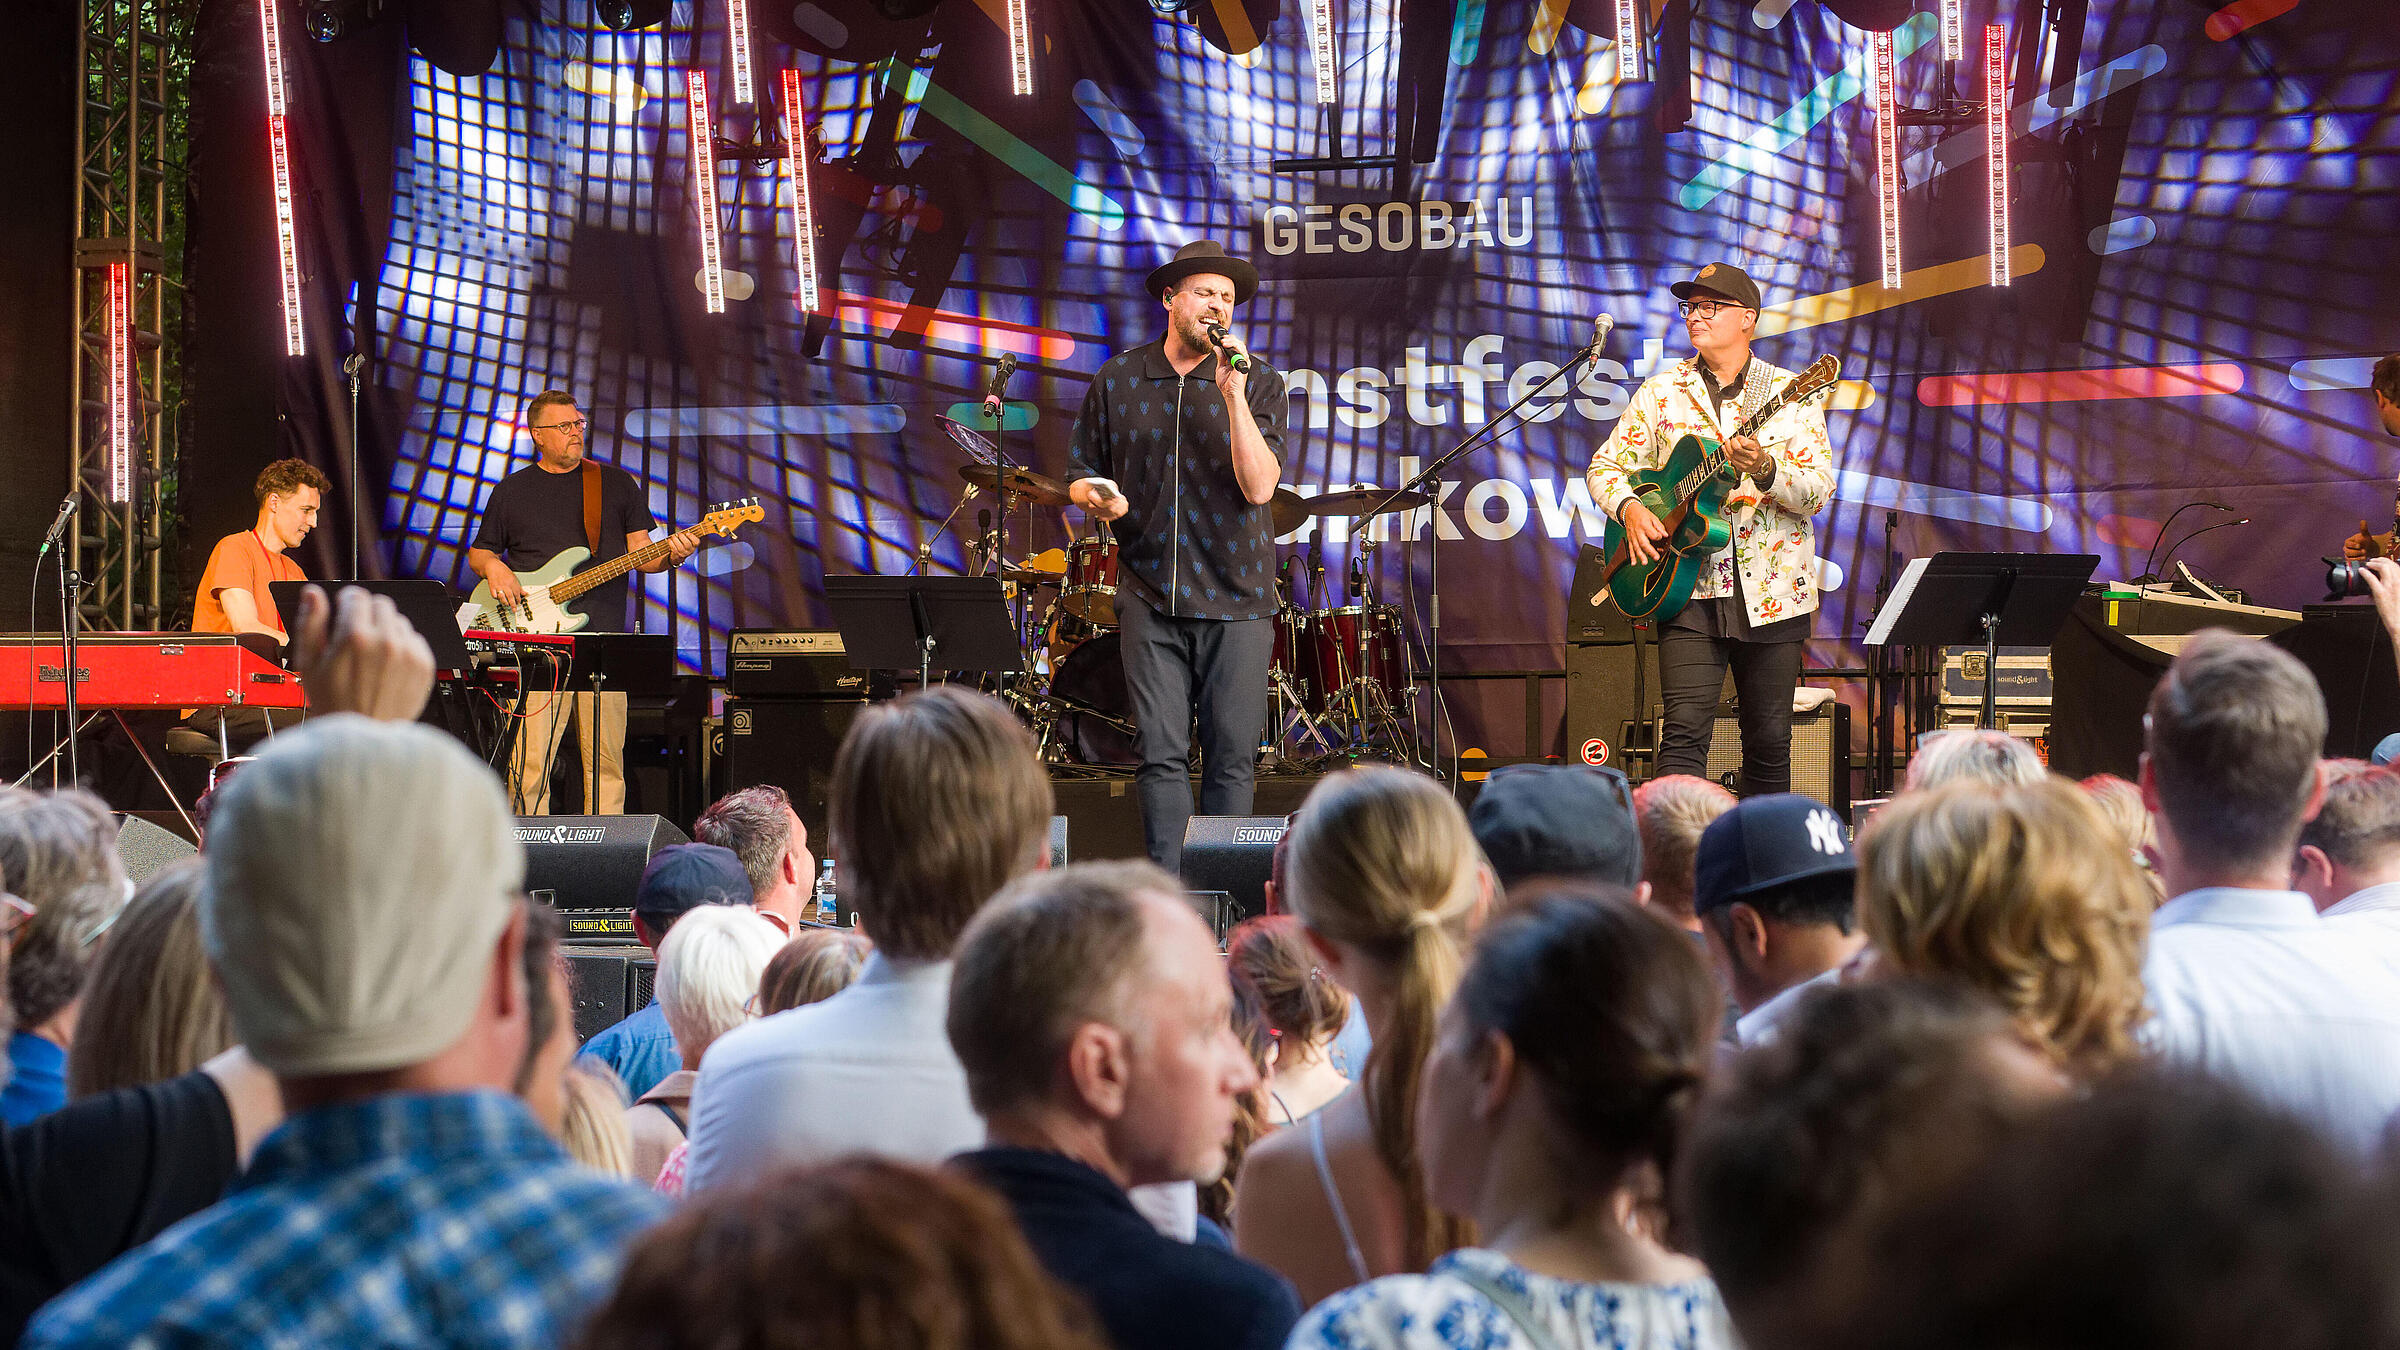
(998, 383)
(58, 527)
(1239, 360)
(1600, 327)
(2148, 575)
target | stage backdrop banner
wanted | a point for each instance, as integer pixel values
(2203, 233)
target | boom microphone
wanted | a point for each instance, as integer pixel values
(1600, 327)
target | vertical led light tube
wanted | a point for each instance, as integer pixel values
(1329, 88)
(1020, 49)
(699, 125)
(804, 215)
(1954, 30)
(121, 391)
(279, 157)
(737, 32)
(1995, 143)
(1887, 159)
(1629, 42)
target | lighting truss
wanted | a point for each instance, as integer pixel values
(121, 391)
(1329, 72)
(737, 32)
(1629, 42)
(279, 156)
(700, 130)
(795, 167)
(1954, 30)
(1887, 159)
(1020, 49)
(1995, 143)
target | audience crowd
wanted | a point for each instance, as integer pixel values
(2026, 1062)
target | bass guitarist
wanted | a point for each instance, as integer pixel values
(563, 501)
(1750, 608)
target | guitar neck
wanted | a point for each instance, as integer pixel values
(563, 591)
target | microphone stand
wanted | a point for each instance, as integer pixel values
(2149, 577)
(2220, 525)
(351, 365)
(70, 601)
(1487, 434)
(995, 409)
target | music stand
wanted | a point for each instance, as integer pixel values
(892, 623)
(428, 606)
(1986, 600)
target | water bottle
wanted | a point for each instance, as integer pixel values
(825, 897)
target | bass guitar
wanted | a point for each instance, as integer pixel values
(547, 592)
(1687, 494)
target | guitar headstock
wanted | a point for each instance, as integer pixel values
(1820, 376)
(727, 517)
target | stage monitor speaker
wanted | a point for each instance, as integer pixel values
(790, 743)
(609, 984)
(1233, 854)
(147, 848)
(1820, 754)
(589, 866)
(1600, 697)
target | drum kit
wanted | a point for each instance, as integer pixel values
(1341, 682)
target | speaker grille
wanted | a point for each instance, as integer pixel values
(1820, 754)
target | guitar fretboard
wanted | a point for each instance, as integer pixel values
(563, 591)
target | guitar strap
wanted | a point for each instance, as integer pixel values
(591, 506)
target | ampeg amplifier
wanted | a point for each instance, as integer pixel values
(790, 663)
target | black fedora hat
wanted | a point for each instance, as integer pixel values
(1205, 255)
(1720, 279)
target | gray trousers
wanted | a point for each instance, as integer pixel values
(1175, 668)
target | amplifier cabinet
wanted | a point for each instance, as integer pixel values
(790, 743)
(609, 984)
(1820, 754)
(590, 866)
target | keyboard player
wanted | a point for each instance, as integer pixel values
(233, 595)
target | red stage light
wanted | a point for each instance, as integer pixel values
(737, 32)
(121, 391)
(1020, 48)
(1887, 159)
(279, 156)
(804, 216)
(1995, 142)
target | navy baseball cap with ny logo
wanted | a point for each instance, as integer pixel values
(1765, 842)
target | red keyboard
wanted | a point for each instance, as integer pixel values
(142, 670)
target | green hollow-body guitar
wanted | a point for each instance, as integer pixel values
(1687, 494)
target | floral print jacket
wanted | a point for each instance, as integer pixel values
(1774, 541)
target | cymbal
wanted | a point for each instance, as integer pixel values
(1291, 510)
(1039, 489)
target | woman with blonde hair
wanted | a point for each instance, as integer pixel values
(1388, 884)
(2024, 893)
(151, 1009)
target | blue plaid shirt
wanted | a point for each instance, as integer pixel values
(400, 1220)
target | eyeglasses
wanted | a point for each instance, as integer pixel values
(1705, 309)
(577, 425)
(15, 913)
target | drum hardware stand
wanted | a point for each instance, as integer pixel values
(1426, 481)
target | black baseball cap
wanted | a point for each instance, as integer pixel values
(682, 877)
(1558, 820)
(1765, 842)
(1723, 280)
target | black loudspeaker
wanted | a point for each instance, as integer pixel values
(1820, 754)
(609, 984)
(146, 848)
(789, 742)
(1235, 855)
(1601, 680)
(590, 867)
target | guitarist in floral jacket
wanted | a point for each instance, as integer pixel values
(1751, 608)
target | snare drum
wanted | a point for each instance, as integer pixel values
(1091, 590)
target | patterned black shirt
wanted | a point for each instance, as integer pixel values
(1189, 544)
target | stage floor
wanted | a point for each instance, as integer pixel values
(1104, 817)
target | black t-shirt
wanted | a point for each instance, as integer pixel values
(99, 1177)
(534, 515)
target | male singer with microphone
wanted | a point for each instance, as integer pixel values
(1752, 605)
(1180, 443)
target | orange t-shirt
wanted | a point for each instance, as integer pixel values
(241, 563)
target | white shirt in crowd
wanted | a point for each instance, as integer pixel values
(869, 1070)
(2380, 904)
(2255, 988)
(1760, 1025)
